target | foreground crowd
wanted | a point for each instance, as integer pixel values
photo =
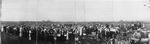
(133, 33)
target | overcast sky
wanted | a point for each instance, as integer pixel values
(75, 10)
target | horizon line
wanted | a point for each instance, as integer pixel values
(76, 21)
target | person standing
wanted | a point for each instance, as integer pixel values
(20, 35)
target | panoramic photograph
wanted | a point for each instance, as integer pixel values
(75, 22)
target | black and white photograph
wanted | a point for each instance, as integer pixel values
(74, 21)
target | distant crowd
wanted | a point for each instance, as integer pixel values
(53, 33)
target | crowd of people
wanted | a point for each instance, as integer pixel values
(86, 33)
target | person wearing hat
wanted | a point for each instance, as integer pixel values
(141, 36)
(136, 37)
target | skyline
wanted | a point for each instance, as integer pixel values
(75, 10)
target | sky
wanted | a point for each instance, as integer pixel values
(75, 10)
